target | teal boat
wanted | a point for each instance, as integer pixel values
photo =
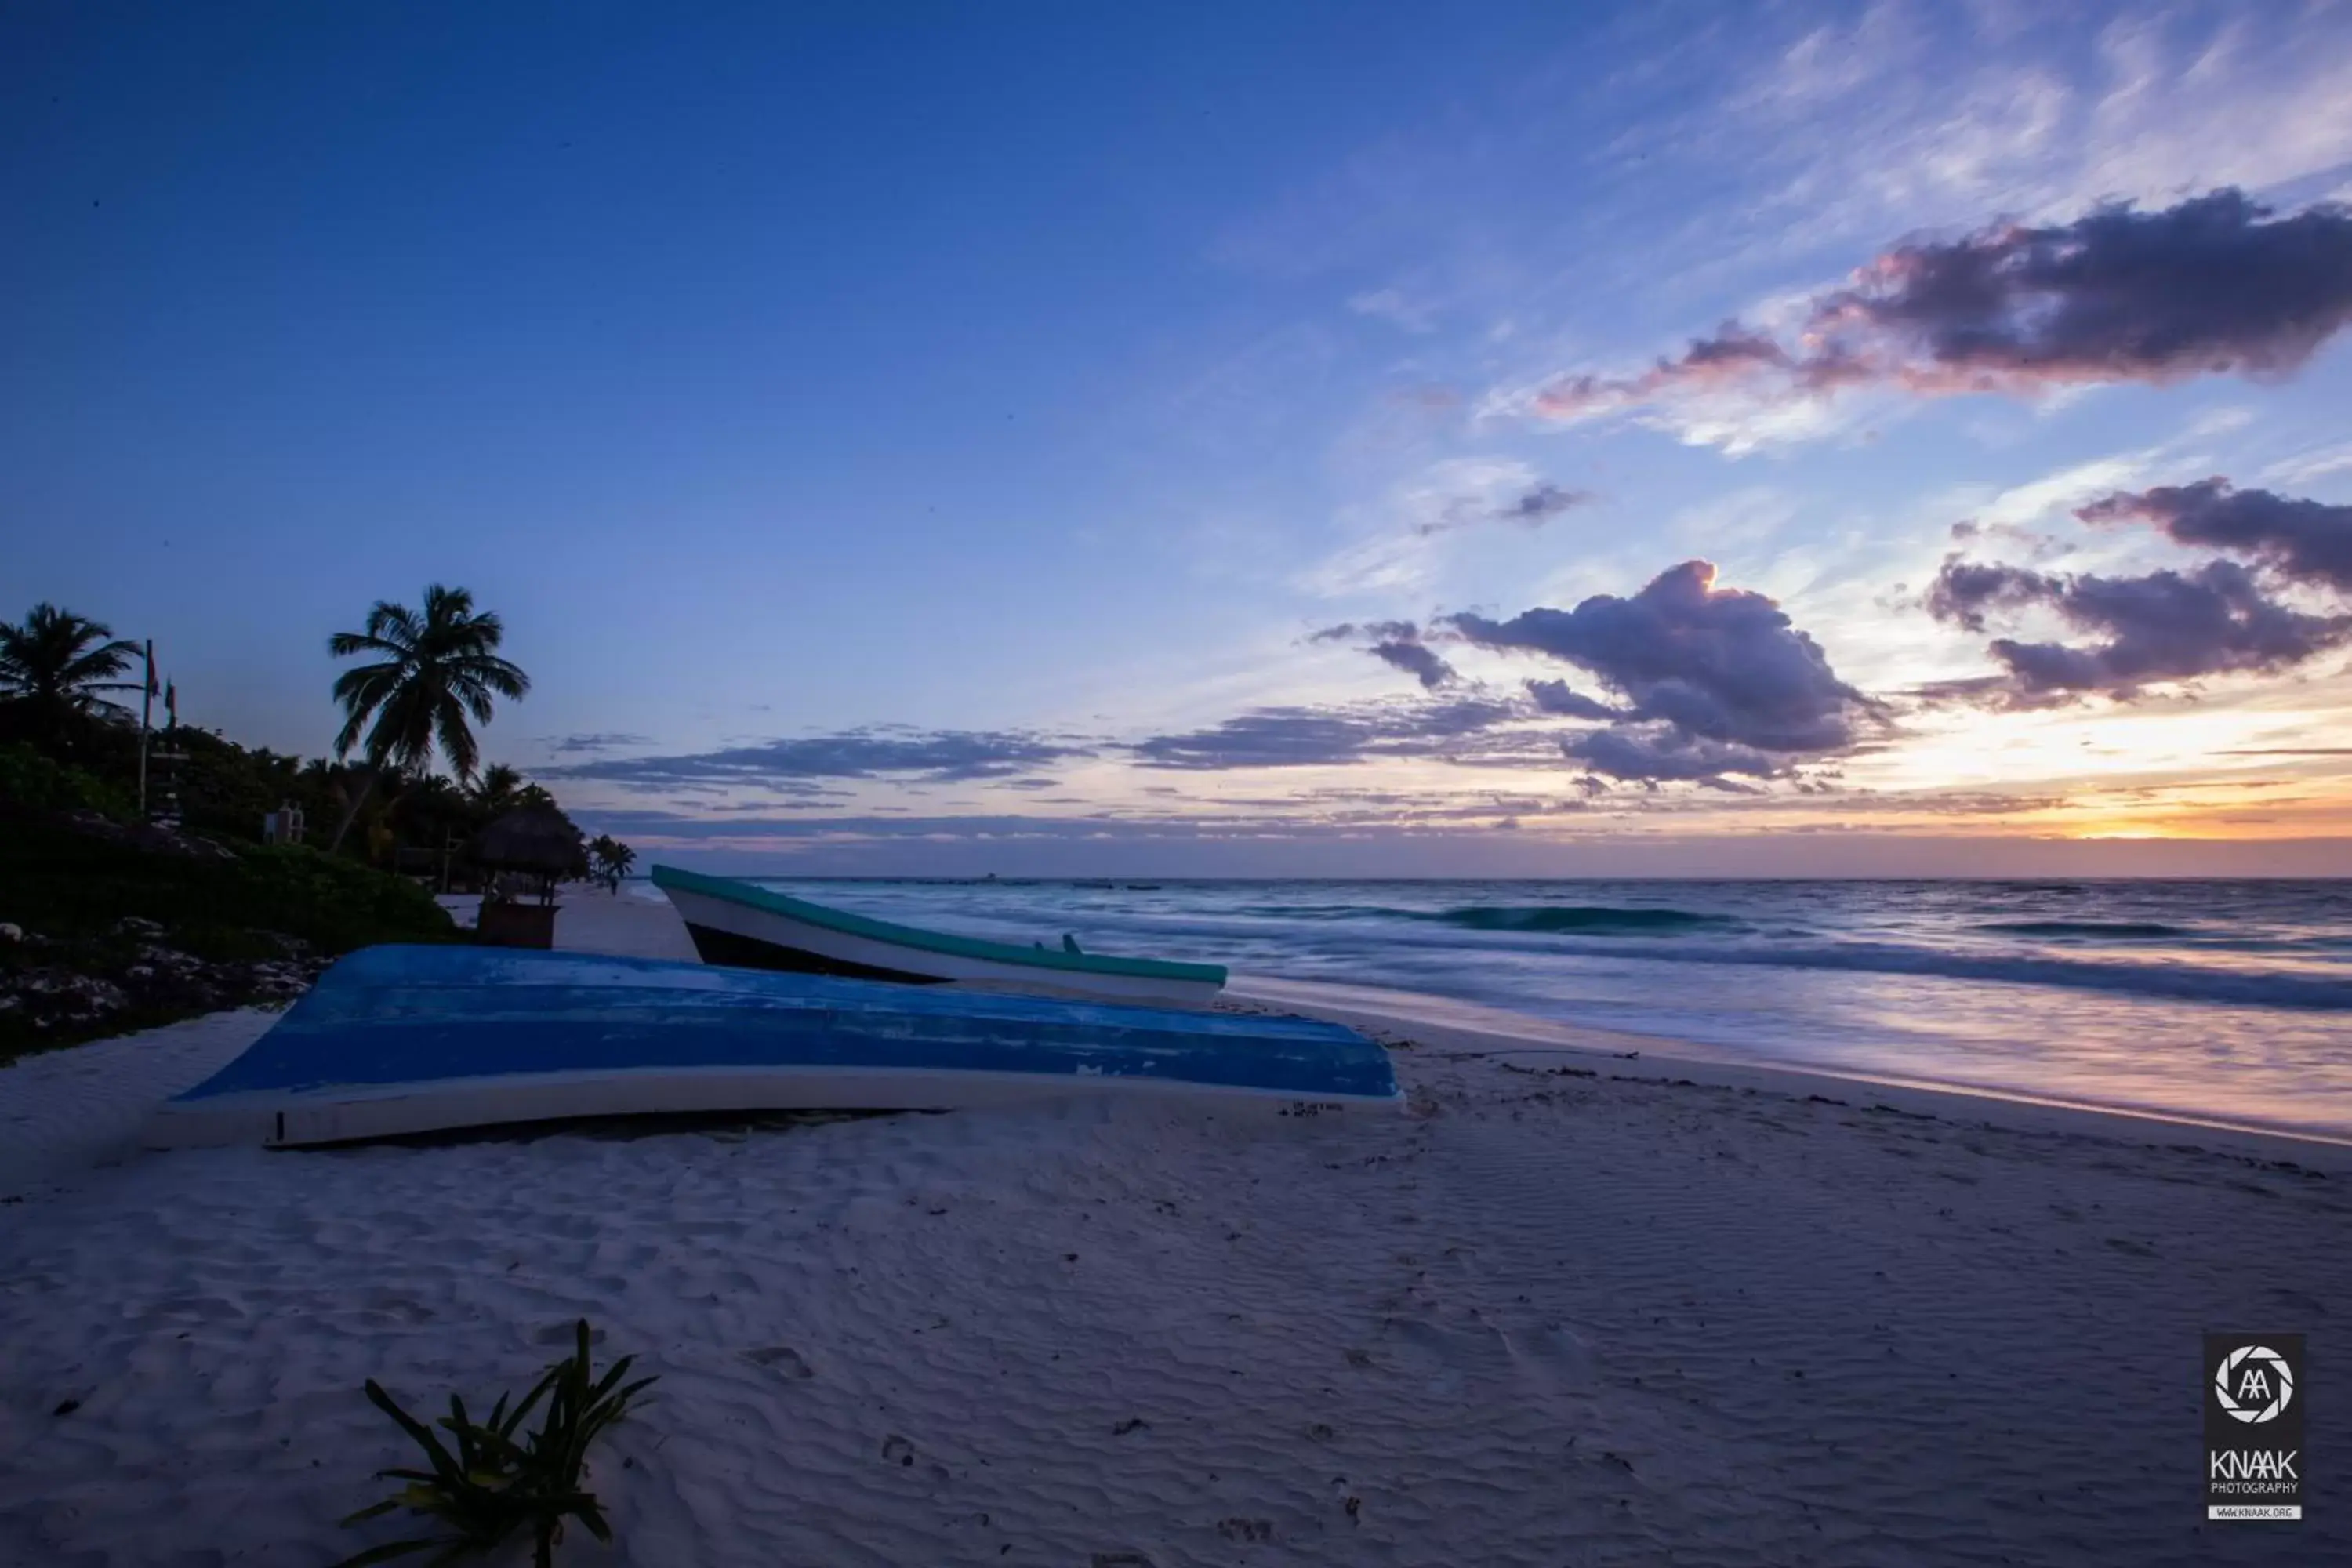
(738, 923)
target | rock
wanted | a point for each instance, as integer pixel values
(11, 932)
(139, 926)
(52, 997)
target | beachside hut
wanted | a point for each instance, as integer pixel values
(534, 846)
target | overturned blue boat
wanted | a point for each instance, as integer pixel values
(400, 1040)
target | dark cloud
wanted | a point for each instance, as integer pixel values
(1735, 355)
(571, 745)
(2303, 541)
(1533, 506)
(1977, 691)
(1964, 592)
(1323, 737)
(1555, 697)
(939, 756)
(2214, 285)
(1660, 753)
(1544, 503)
(1393, 643)
(2160, 628)
(1422, 664)
(1715, 664)
(1377, 631)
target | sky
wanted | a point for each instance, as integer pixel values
(1295, 439)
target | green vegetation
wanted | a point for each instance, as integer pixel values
(31, 782)
(54, 664)
(124, 927)
(495, 1484)
(108, 924)
(609, 861)
(66, 884)
(432, 672)
(64, 747)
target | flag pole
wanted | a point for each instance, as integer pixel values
(146, 716)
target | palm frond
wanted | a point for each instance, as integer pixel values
(437, 672)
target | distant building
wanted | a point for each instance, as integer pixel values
(283, 825)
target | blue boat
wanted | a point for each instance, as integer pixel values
(396, 1040)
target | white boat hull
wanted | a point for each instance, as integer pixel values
(849, 953)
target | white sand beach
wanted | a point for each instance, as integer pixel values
(1574, 1306)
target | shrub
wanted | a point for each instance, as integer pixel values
(33, 783)
(493, 1485)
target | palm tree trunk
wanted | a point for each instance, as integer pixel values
(352, 811)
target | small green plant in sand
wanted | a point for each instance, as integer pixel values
(487, 1483)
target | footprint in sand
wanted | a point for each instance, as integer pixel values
(1450, 1359)
(783, 1358)
(1554, 1359)
(398, 1308)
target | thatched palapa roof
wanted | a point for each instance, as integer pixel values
(531, 840)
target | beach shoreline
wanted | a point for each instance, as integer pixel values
(595, 921)
(1627, 1308)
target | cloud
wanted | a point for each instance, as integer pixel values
(1533, 506)
(1421, 663)
(2161, 627)
(1665, 753)
(1717, 664)
(937, 756)
(1394, 643)
(1555, 697)
(570, 745)
(1377, 631)
(2301, 540)
(1295, 737)
(2214, 285)
(1964, 592)
(1397, 543)
(1391, 305)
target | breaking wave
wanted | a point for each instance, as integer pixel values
(2175, 982)
(1589, 919)
(2121, 929)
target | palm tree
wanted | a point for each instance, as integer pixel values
(437, 669)
(495, 792)
(611, 859)
(49, 663)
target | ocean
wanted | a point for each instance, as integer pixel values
(2229, 1001)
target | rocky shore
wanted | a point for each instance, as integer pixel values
(57, 989)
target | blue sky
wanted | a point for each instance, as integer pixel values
(1042, 381)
